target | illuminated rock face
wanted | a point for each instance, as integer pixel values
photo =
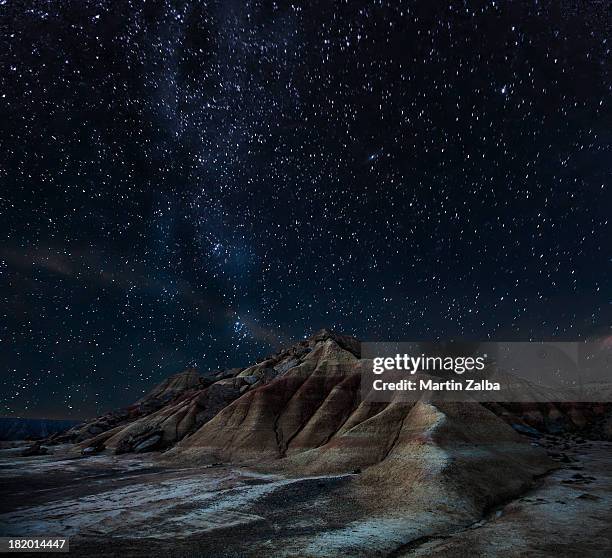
(301, 408)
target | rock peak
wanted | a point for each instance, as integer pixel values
(176, 384)
(347, 342)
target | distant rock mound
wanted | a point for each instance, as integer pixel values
(174, 385)
(13, 428)
(165, 426)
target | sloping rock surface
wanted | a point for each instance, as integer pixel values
(166, 393)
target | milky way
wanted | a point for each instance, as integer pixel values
(199, 182)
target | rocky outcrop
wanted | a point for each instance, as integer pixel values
(302, 405)
(166, 426)
(35, 449)
(272, 419)
(182, 404)
(171, 388)
(164, 394)
(589, 419)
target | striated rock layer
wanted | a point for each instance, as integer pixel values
(161, 398)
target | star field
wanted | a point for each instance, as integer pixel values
(200, 182)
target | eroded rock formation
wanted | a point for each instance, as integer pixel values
(303, 405)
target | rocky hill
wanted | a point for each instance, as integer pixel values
(304, 404)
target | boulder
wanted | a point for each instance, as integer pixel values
(148, 444)
(35, 449)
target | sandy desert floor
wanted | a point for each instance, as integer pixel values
(132, 506)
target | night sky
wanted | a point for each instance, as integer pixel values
(201, 182)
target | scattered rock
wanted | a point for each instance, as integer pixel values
(93, 449)
(585, 496)
(35, 449)
(250, 379)
(148, 444)
(527, 430)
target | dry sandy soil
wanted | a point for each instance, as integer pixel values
(131, 506)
